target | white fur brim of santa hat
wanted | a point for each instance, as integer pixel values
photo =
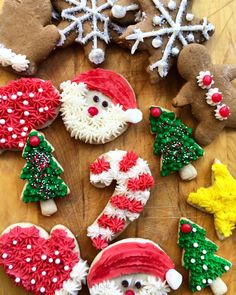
(111, 84)
(133, 256)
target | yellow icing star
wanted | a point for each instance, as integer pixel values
(219, 199)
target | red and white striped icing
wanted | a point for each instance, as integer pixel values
(25, 104)
(134, 181)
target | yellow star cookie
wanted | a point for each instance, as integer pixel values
(218, 199)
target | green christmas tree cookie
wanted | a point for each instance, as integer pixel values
(198, 257)
(42, 173)
(174, 143)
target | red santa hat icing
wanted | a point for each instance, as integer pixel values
(115, 87)
(133, 256)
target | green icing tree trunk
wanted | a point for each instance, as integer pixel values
(198, 257)
(173, 141)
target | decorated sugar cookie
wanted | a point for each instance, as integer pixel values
(88, 23)
(133, 183)
(42, 172)
(42, 263)
(205, 268)
(208, 90)
(25, 104)
(166, 26)
(26, 34)
(173, 141)
(218, 199)
(98, 105)
(133, 267)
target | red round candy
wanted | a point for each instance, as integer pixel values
(93, 111)
(129, 292)
(216, 97)
(207, 80)
(34, 141)
(155, 112)
(186, 228)
(224, 111)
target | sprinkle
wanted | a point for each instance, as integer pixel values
(227, 267)
(44, 273)
(204, 252)
(31, 95)
(57, 261)
(28, 246)
(42, 290)
(204, 281)
(17, 280)
(14, 136)
(26, 113)
(195, 245)
(9, 111)
(10, 266)
(209, 281)
(10, 129)
(46, 108)
(21, 144)
(44, 257)
(198, 288)
(3, 140)
(41, 110)
(57, 252)
(33, 281)
(2, 121)
(34, 268)
(27, 259)
(4, 255)
(202, 257)
(23, 134)
(54, 280)
(19, 93)
(25, 128)
(4, 97)
(14, 96)
(50, 260)
(25, 102)
(205, 267)
(193, 260)
(194, 229)
(66, 267)
(40, 90)
(22, 121)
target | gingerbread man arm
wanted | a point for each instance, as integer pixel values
(184, 97)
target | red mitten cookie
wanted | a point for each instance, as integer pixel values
(25, 104)
(133, 267)
(42, 263)
(26, 36)
(208, 90)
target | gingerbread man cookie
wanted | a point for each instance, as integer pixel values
(88, 23)
(208, 90)
(42, 263)
(166, 27)
(26, 35)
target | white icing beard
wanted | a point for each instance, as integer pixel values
(150, 285)
(108, 124)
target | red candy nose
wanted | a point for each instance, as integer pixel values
(129, 292)
(93, 111)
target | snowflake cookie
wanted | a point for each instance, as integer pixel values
(165, 28)
(26, 35)
(88, 23)
(42, 263)
(133, 267)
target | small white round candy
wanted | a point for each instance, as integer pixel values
(26, 113)
(46, 108)
(2, 121)
(57, 261)
(14, 96)
(156, 20)
(227, 267)
(34, 268)
(14, 136)
(28, 246)
(23, 134)
(10, 129)
(54, 280)
(22, 121)
(57, 252)
(21, 144)
(27, 259)
(209, 281)
(175, 51)
(44, 257)
(10, 266)
(205, 267)
(4, 255)
(25, 102)
(195, 245)
(193, 260)
(198, 288)
(190, 37)
(4, 97)
(189, 17)
(66, 267)
(50, 260)
(44, 273)
(157, 42)
(40, 90)
(9, 111)
(31, 95)
(204, 281)
(25, 128)
(17, 280)
(19, 93)
(172, 5)
(42, 290)
(194, 229)
(41, 110)
(2, 140)
(33, 281)
(202, 257)
(204, 252)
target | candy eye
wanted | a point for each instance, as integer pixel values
(96, 98)
(138, 285)
(125, 284)
(105, 104)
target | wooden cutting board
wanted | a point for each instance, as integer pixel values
(167, 204)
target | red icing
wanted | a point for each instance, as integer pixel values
(216, 97)
(143, 182)
(207, 80)
(110, 84)
(123, 203)
(128, 161)
(115, 224)
(18, 253)
(34, 141)
(93, 111)
(129, 292)
(186, 228)
(99, 243)
(155, 112)
(128, 258)
(99, 166)
(224, 111)
(21, 103)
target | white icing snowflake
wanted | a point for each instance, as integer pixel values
(175, 31)
(81, 12)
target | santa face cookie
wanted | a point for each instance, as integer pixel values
(133, 267)
(164, 29)
(26, 36)
(133, 183)
(25, 104)
(98, 105)
(42, 263)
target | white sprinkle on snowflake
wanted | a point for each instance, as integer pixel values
(81, 12)
(173, 29)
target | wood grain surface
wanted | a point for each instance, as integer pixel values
(167, 204)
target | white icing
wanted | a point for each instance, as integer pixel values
(119, 11)
(209, 94)
(156, 20)
(190, 38)
(172, 5)
(175, 30)
(157, 42)
(175, 51)
(189, 17)
(97, 56)
(108, 124)
(18, 62)
(200, 79)
(122, 179)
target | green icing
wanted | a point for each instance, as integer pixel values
(42, 172)
(215, 265)
(174, 142)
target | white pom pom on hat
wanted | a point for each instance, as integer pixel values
(174, 279)
(133, 116)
